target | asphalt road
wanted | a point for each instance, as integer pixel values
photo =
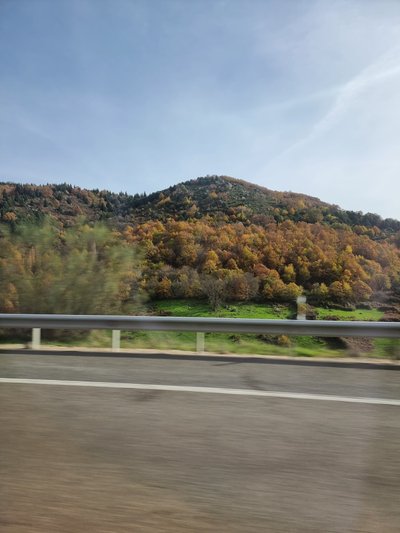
(78, 458)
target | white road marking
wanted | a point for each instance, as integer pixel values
(204, 390)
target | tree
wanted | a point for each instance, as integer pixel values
(215, 290)
(319, 293)
(290, 292)
(186, 283)
(289, 273)
(81, 270)
(211, 262)
(361, 291)
(163, 288)
(241, 286)
(340, 291)
(273, 286)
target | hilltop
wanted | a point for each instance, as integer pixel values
(227, 199)
(219, 198)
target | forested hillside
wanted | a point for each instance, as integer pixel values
(219, 198)
(215, 237)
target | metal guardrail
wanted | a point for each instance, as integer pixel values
(320, 328)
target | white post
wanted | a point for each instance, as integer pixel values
(301, 307)
(36, 339)
(116, 340)
(200, 341)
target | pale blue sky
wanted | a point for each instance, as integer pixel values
(137, 95)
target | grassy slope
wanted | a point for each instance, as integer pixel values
(199, 308)
(358, 314)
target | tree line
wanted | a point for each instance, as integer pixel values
(92, 267)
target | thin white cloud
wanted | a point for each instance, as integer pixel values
(388, 66)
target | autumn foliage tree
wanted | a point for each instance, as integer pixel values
(281, 260)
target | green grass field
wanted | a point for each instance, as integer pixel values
(357, 314)
(200, 308)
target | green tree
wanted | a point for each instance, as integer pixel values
(82, 270)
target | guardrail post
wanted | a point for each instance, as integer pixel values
(301, 307)
(200, 342)
(35, 338)
(116, 340)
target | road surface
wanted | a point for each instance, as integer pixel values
(235, 446)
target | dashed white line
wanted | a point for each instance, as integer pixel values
(204, 390)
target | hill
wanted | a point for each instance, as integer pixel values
(221, 198)
(221, 238)
(226, 199)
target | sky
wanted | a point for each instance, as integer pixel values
(138, 95)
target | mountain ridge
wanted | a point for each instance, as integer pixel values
(222, 198)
